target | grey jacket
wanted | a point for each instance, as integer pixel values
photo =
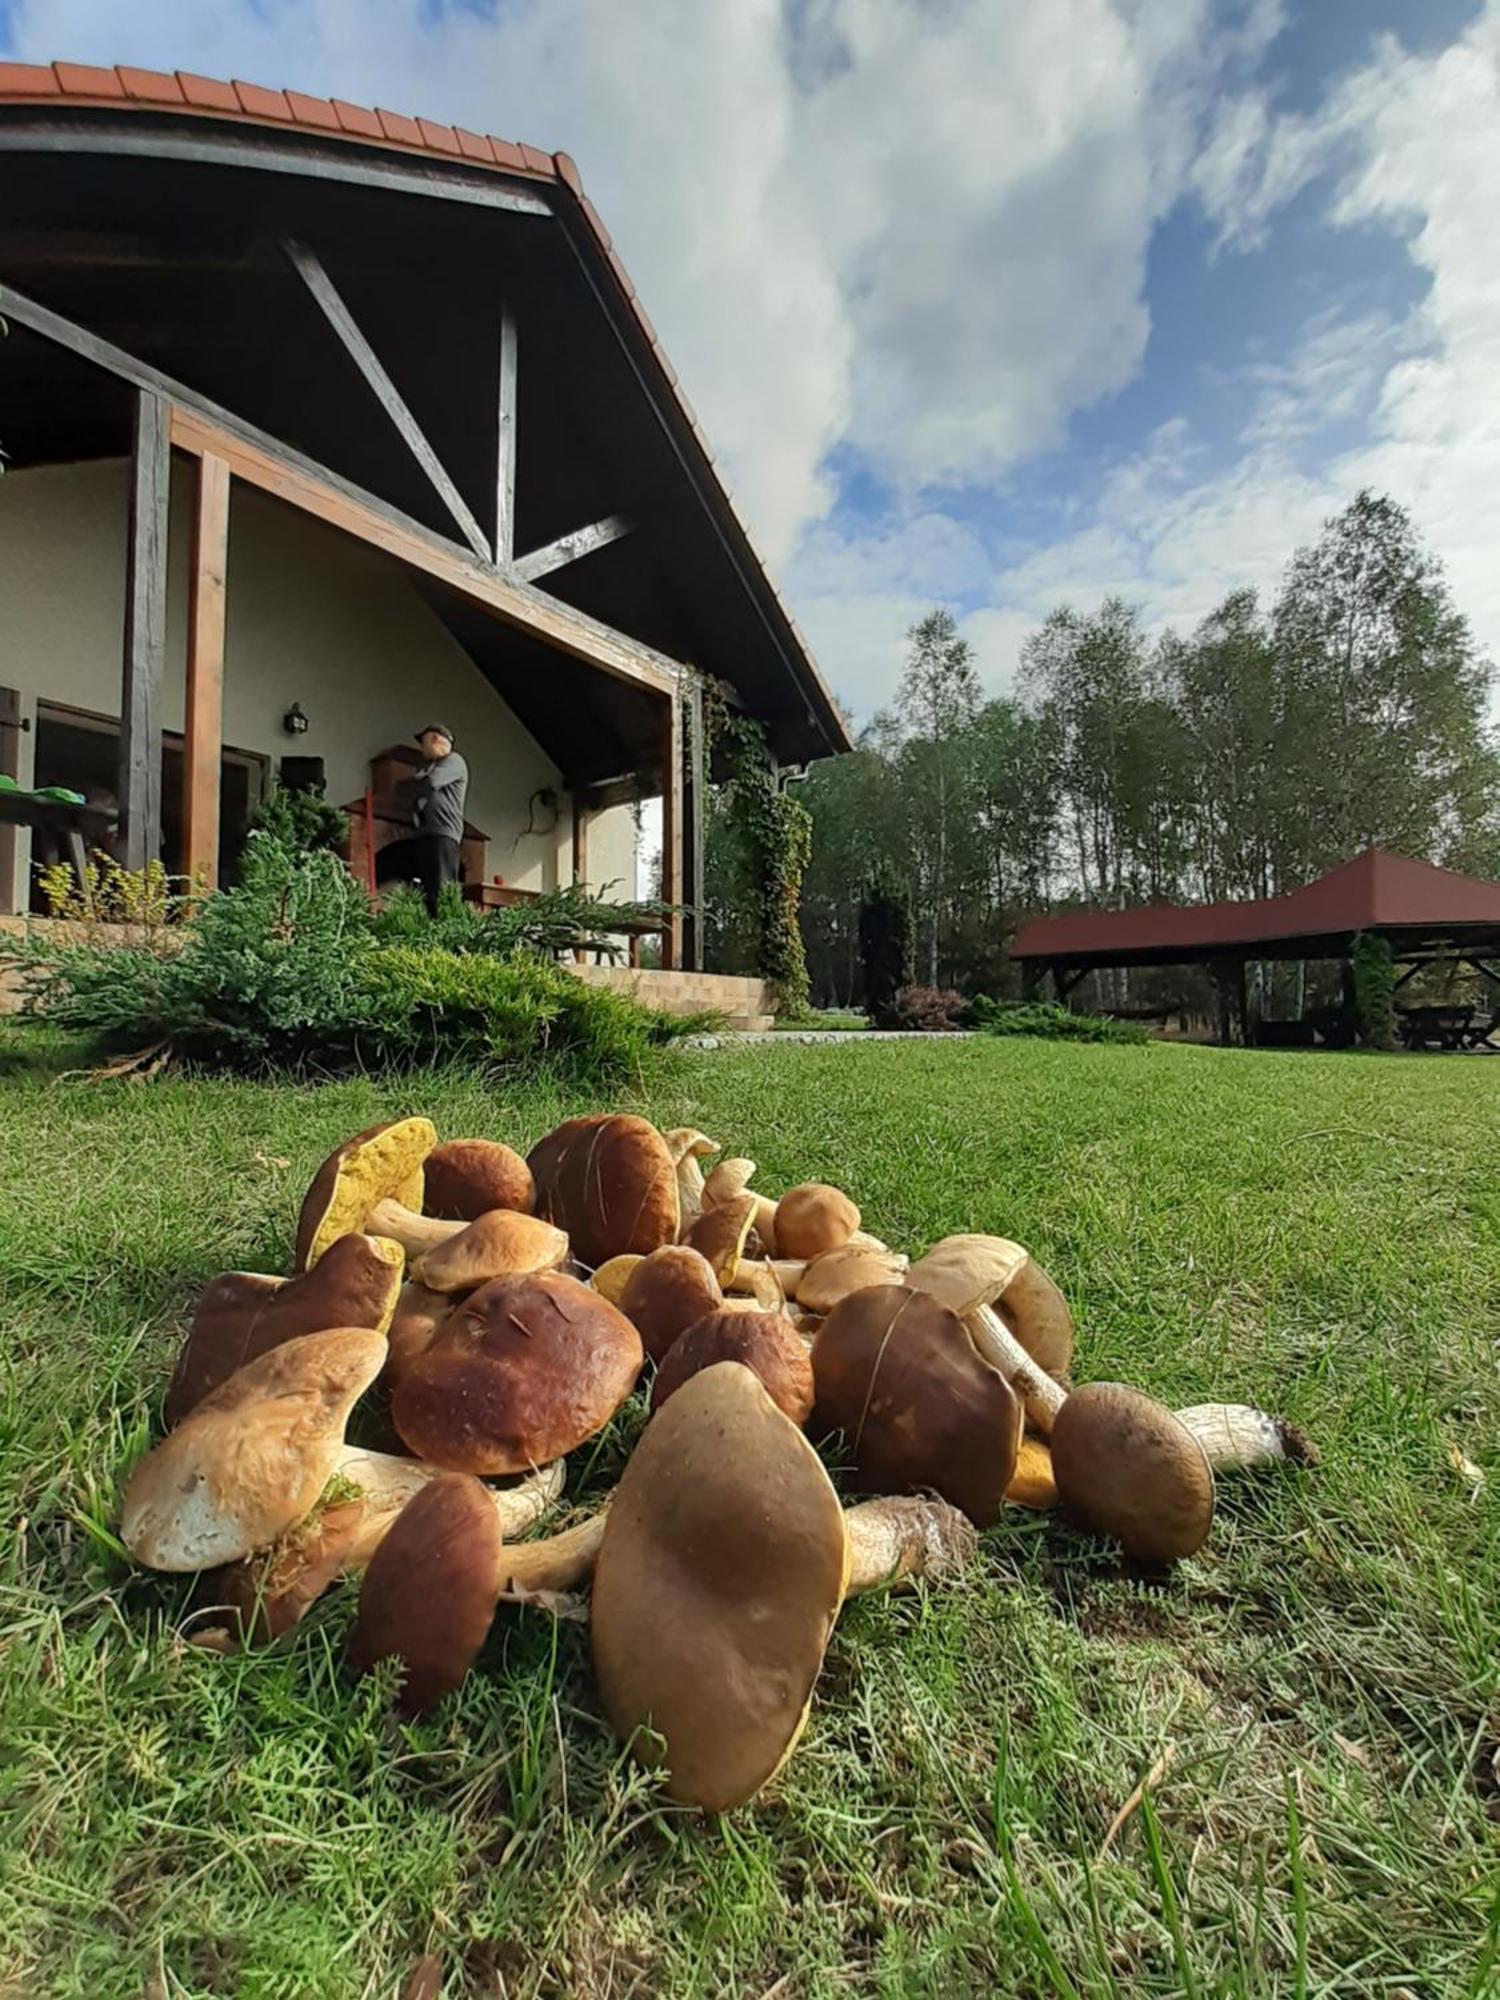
(438, 794)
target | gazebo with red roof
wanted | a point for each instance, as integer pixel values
(1425, 913)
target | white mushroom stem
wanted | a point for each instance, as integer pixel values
(998, 1345)
(1234, 1437)
(415, 1233)
(895, 1541)
(559, 1563)
(387, 1482)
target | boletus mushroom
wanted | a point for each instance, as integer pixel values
(833, 1276)
(414, 1324)
(269, 1592)
(428, 1597)
(764, 1342)
(502, 1244)
(518, 1374)
(688, 1150)
(610, 1184)
(724, 1561)
(254, 1455)
(968, 1274)
(372, 1183)
(242, 1315)
(812, 1219)
(666, 1292)
(730, 1179)
(721, 1234)
(1127, 1468)
(919, 1407)
(466, 1178)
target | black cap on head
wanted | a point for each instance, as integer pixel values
(434, 729)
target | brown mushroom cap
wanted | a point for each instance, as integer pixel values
(610, 1184)
(418, 1315)
(380, 1164)
(242, 1315)
(837, 1273)
(253, 1457)
(721, 1232)
(1126, 1468)
(720, 1575)
(1037, 1314)
(666, 1293)
(764, 1342)
(428, 1597)
(520, 1373)
(466, 1178)
(897, 1373)
(502, 1244)
(813, 1218)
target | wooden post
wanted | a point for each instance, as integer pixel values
(505, 454)
(145, 634)
(204, 747)
(13, 897)
(580, 856)
(697, 796)
(1242, 997)
(671, 831)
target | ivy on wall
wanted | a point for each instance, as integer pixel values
(766, 835)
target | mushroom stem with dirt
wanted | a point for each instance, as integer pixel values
(1236, 1437)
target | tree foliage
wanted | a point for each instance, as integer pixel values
(1242, 759)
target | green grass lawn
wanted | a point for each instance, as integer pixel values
(1319, 1234)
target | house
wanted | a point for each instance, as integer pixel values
(320, 422)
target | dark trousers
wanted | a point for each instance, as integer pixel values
(426, 860)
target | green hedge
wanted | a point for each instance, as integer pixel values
(1037, 1017)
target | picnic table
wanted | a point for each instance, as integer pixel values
(65, 822)
(1445, 1027)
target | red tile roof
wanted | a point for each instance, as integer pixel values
(57, 84)
(1374, 891)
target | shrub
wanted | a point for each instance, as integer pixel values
(928, 1008)
(286, 969)
(1374, 991)
(301, 821)
(1038, 1017)
(568, 919)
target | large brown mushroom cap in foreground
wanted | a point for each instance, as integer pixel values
(466, 1178)
(721, 1572)
(520, 1373)
(242, 1315)
(764, 1342)
(666, 1292)
(428, 1598)
(897, 1373)
(610, 1184)
(383, 1163)
(1126, 1468)
(502, 1244)
(812, 1219)
(253, 1457)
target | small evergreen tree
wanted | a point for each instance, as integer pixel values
(885, 943)
(1374, 991)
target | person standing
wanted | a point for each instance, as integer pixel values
(434, 801)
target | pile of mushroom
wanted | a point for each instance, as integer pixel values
(481, 1316)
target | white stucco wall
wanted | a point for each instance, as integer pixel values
(313, 617)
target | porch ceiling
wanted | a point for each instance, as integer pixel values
(179, 261)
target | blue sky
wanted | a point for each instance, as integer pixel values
(995, 303)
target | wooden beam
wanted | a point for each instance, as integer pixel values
(145, 634)
(671, 831)
(514, 602)
(505, 442)
(581, 818)
(204, 733)
(570, 548)
(338, 161)
(308, 266)
(696, 803)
